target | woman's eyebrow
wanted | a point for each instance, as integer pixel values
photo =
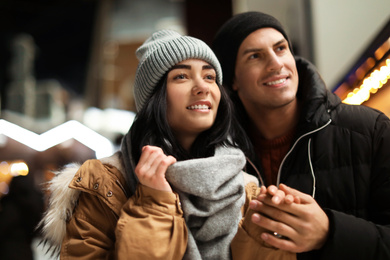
(207, 67)
(188, 67)
(181, 66)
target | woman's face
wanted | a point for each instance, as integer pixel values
(192, 99)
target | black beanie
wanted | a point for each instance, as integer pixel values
(230, 36)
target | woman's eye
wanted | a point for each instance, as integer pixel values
(180, 76)
(254, 56)
(210, 77)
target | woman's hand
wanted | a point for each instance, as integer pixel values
(152, 166)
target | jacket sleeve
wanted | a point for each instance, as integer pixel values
(93, 202)
(357, 238)
(151, 226)
(90, 231)
(247, 244)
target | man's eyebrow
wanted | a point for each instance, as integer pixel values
(260, 49)
(280, 42)
(252, 50)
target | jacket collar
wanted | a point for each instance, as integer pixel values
(316, 100)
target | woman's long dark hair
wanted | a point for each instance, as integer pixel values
(150, 127)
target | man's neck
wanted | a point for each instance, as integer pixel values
(274, 123)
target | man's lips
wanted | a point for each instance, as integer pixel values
(276, 80)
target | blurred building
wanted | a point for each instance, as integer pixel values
(67, 67)
(74, 60)
(367, 82)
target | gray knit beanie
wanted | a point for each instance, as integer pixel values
(159, 53)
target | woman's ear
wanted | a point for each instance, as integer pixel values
(234, 85)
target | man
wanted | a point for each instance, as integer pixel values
(334, 158)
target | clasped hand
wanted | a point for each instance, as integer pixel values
(292, 214)
(152, 167)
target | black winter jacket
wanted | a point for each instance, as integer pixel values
(341, 156)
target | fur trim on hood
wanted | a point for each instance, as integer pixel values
(61, 204)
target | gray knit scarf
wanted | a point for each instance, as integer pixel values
(211, 192)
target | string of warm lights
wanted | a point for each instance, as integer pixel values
(8, 170)
(370, 85)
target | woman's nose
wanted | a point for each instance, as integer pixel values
(201, 87)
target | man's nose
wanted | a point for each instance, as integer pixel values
(275, 62)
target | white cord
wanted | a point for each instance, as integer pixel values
(311, 168)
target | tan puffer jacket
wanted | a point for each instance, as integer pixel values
(91, 217)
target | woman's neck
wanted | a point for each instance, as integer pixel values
(185, 141)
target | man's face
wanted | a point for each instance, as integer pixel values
(266, 76)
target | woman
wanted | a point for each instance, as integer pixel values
(176, 188)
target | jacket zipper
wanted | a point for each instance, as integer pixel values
(292, 148)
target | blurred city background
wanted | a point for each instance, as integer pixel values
(67, 68)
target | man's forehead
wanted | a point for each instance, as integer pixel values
(267, 35)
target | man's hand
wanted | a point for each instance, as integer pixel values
(152, 166)
(292, 214)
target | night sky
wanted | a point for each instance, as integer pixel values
(62, 31)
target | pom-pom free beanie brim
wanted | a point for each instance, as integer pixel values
(159, 53)
(233, 32)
